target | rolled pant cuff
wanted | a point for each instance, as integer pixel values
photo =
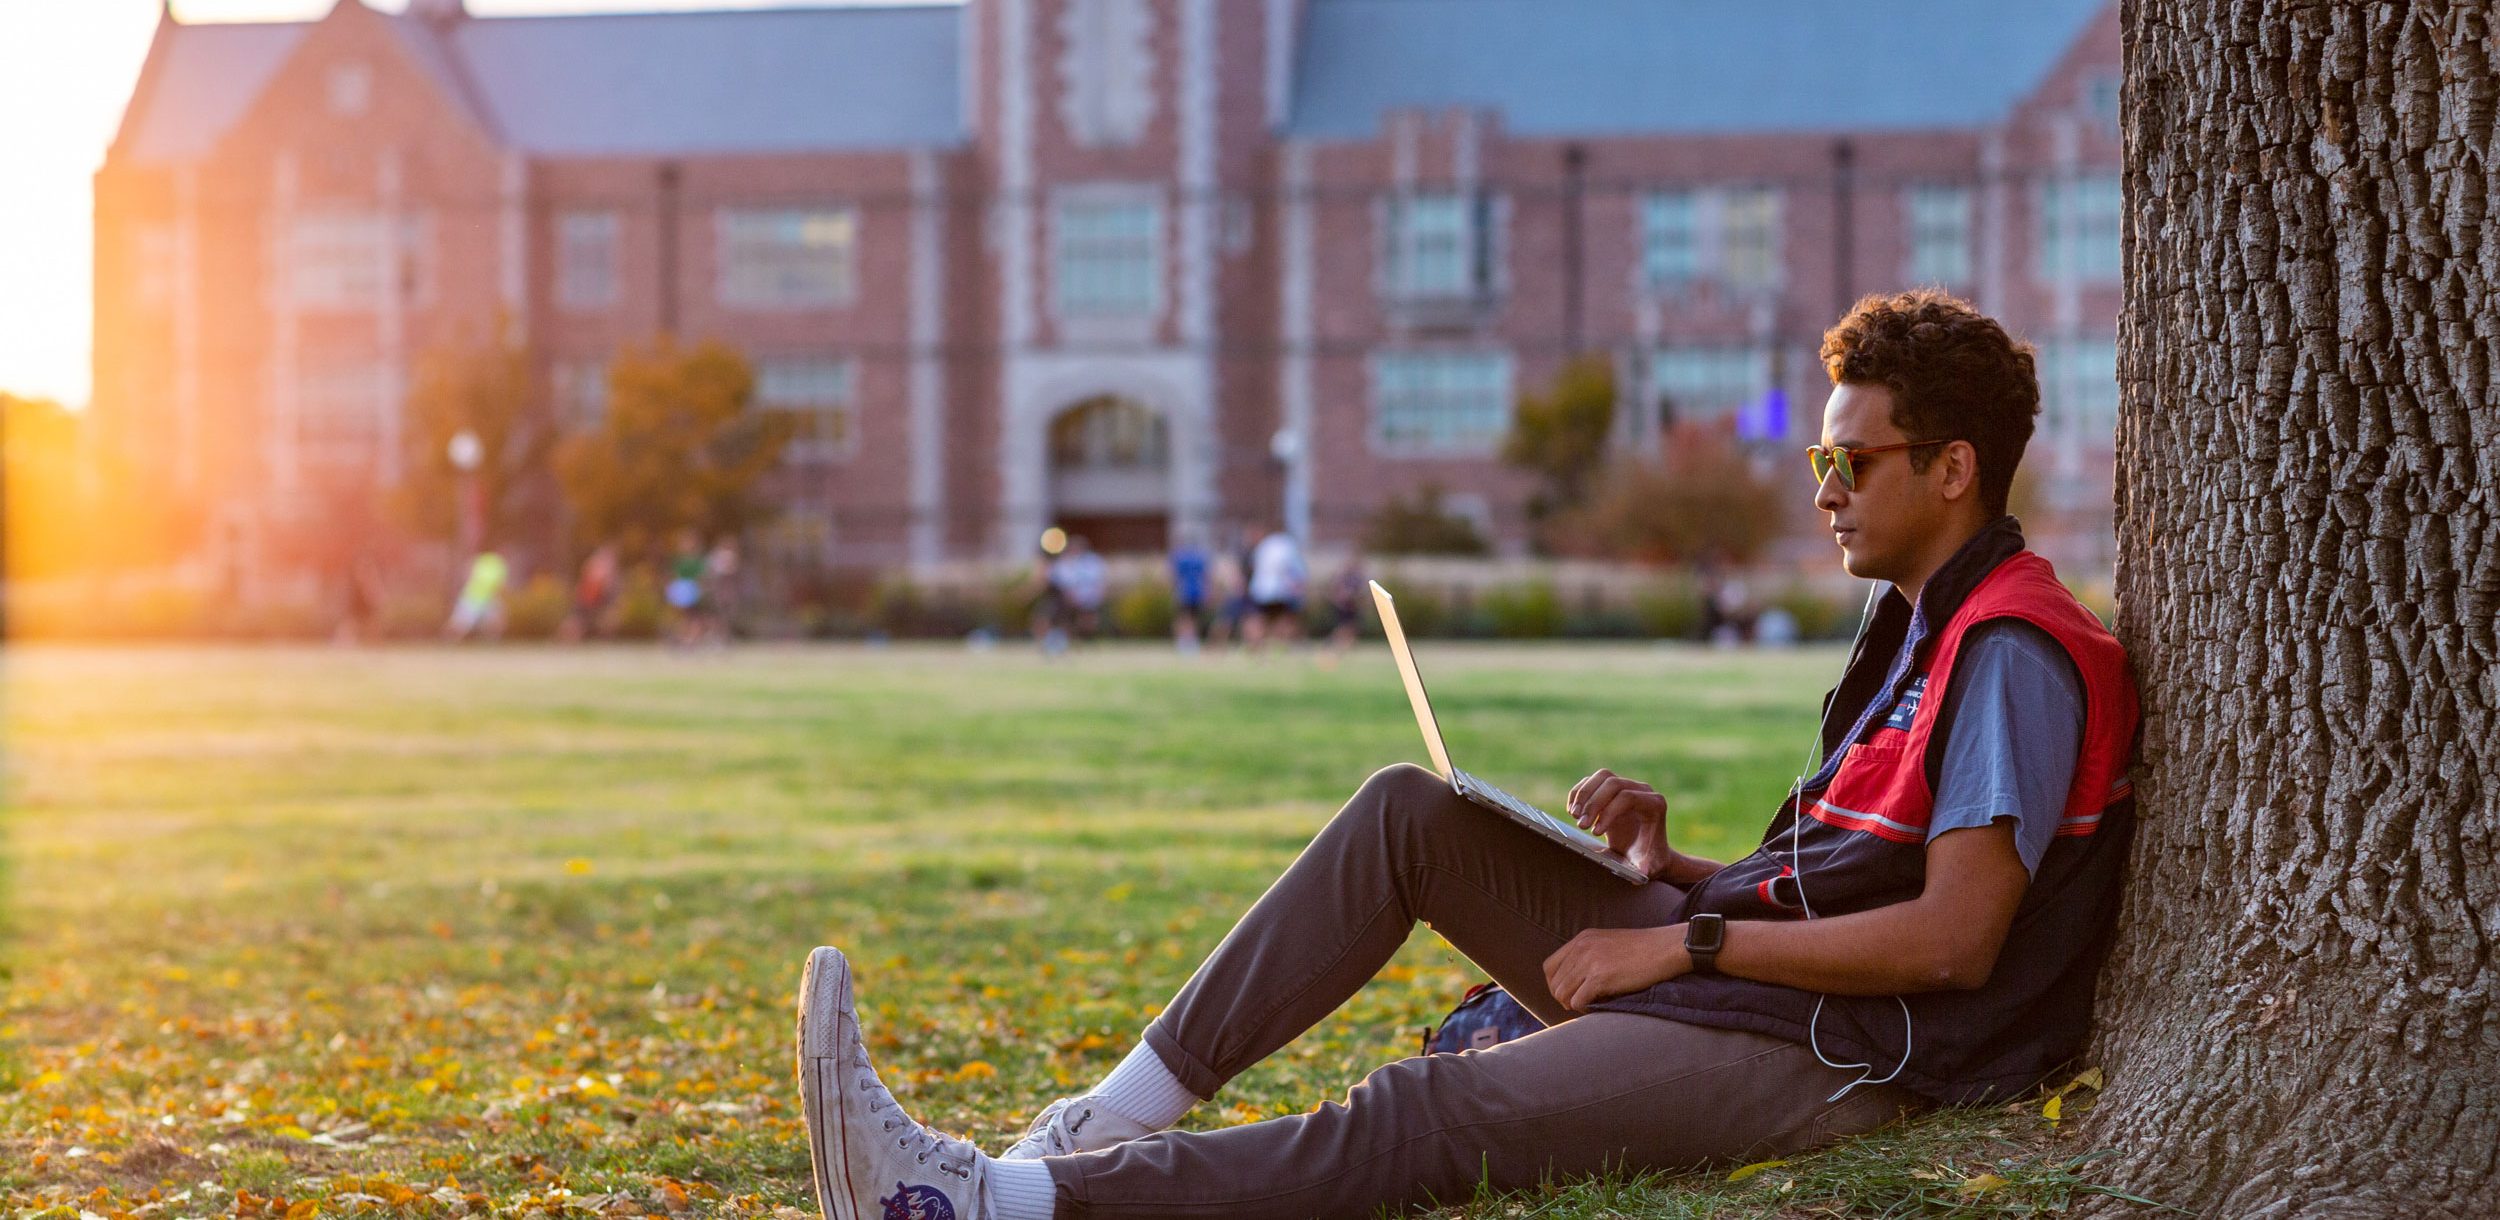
(1194, 1075)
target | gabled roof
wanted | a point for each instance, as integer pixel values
(651, 84)
(831, 79)
(200, 80)
(759, 80)
(1597, 67)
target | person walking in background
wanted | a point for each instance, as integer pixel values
(1049, 618)
(360, 599)
(480, 605)
(1189, 594)
(1276, 579)
(1083, 583)
(1228, 590)
(1345, 610)
(720, 590)
(593, 589)
(685, 588)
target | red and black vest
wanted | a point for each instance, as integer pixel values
(1862, 844)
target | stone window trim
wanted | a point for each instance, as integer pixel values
(1436, 384)
(336, 259)
(344, 407)
(2076, 228)
(1938, 221)
(1086, 223)
(1728, 238)
(581, 393)
(2079, 387)
(1459, 262)
(786, 258)
(821, 388)
(1701, 382)
(589, 243)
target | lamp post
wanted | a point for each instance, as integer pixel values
(467, 453)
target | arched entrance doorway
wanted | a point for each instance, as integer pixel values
(1110, 473)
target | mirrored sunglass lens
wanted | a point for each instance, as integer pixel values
(1847, 467)
(1822, 465)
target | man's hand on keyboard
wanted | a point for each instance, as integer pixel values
(1630, 815)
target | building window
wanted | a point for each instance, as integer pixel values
(1438, 247)
(339, 413)
(816, 393)
(1440, 402)
(1750, 220)
(1729, 236)
(1109, 433)
(582, 394)
(586, 259)
(787, 258)
(1695, 383)
(2100, 97)
(1109, 257)
(1670, 239)
(351, 90)
(1940, 227)
(344, 260)
(2079, 386)
(2078, 227)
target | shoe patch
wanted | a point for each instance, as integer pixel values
(917, 1203)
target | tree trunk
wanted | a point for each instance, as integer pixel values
(2299, 1018)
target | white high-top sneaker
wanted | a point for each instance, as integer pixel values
(1075, 1124)
(872, 1161)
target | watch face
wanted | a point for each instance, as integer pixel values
(1705, 934)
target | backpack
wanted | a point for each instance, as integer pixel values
(1486, 1015)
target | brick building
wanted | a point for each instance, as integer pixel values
(1138, 266)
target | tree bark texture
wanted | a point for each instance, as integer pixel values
(2299, 1018)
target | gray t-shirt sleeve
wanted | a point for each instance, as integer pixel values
(2014, 723)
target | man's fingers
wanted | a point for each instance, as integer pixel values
(1581, 791)
(1593, 805)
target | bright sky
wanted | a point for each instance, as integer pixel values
(66, 68)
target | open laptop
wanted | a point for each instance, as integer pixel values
(1482, 793)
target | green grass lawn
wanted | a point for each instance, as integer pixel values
(299, 931)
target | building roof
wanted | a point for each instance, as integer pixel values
(751, 81)
(200, 80)
(759, 80)
(1598, 67)
(876, 77)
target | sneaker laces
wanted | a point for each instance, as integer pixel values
(1055, 1128)
(953, 1155)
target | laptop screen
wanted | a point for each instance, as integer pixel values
(1414, 681)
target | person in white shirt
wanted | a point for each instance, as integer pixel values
(1276, 579)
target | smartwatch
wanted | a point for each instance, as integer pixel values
(1704, 936)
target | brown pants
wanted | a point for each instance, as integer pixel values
(1588, 1093)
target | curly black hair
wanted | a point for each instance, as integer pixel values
(1954, 373)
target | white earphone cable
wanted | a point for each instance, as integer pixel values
(1797, 865)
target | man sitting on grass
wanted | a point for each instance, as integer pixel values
(1922, 922)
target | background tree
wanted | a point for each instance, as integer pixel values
(1704, 502)
(492, 392)
(44, 497)
(1421, 525)
(681, 448)
(1561, 436)
(2299, 1018)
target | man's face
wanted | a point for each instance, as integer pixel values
(1883, 523)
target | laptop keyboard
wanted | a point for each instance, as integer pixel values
(1509, 802)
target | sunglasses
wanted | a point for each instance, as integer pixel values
(1827, 458)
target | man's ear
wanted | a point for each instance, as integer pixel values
(1961, 470)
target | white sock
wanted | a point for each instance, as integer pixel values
(1018, 1190)
(1145, 1091)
